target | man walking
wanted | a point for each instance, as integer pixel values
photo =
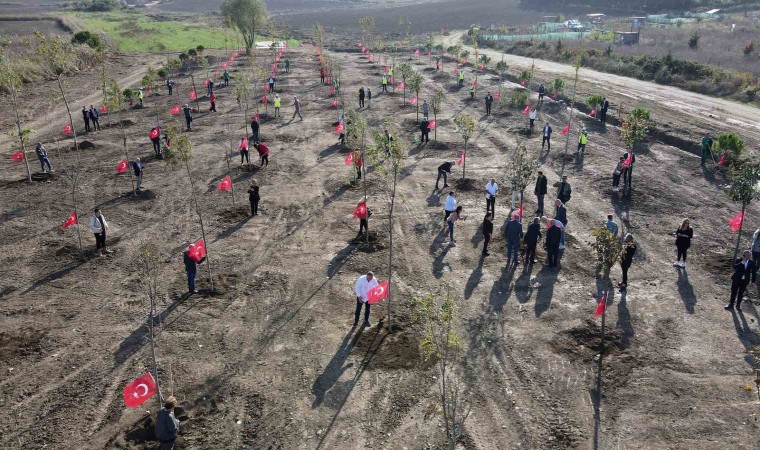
(212, 99)
(744, 273)
(450, 206)
(297, 106)
(209, 87)
(611, 226)
(487, 232)
(540, 191)
(167, 426)
(532, 235)
(547, 137)
(553, 236)
(603, 111)
(188, 116)
(86, 118)
(706, 145)
(513, 233)
(43, 157)
(363, 285)
(491, 189)
(443, 171)
(489, 101)
(541, 92)
(565, 191)
(424, 130)
(361, 97)
(94, 117)
(138, 169)
(98, 226)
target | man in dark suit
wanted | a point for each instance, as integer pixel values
(540, 192)
(553, 236)
(744, 272)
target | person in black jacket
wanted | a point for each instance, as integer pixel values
(86, 117)
(628, 171)
(489, 102)
(188, 116)
(684, 233)
(541, 92)
(443, 171)
(553, 235)
(561, 216)
(547, 136)
(744, 272)
(629, 249)
(565, 191)
(94, 117)
(425, 137)
(540, 191)
(531, 240)
(487, 232)
(255, 130)
(361, 97)
(253, 198)
(603, 110)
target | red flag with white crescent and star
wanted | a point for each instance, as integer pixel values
(413, 102)
(122, 166)
(175, 110)
(360, 211)
(216, 74)
(72, 220)
(736, 221)
(224, 65)
(67, 129)
(266, 88)
(432, 125)
(377, 293)
(334, 103)
(193, 95)
(349, 159)
(526, 111)
(104, 108)
(197, 251)
(18, 156)
(226, 184)
(340, 128)
(601, 306)
(154, 133)
(264, 99)
(140, 390)
(461, 160)
(722, 160)
(592, 113)
(565, 130)
(497, 95)
(205, 83)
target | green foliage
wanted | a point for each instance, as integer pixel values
(162, 74)
(636, 127)
(149, 79)
(200, 49)
(519, 98)
(524, 76)
(523, 167)
(128, 93)
(466, 124)
(485, 60)
(502, 65)
(96, 5)
(744, 177)
(87, 38)
(694, 41)
(405, 70)
(607, 248)
(247, 16)
(356, 128)
(595, 100)
(54, 56)
(181, 151)
(114, 97)
(192, 52)
(732, 144)
(558, 86)
(183, 57)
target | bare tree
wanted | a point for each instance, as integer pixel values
(436, 102)
(115, 102)
(150, 271)
(466, 126)
(10, 81)
(522, 171)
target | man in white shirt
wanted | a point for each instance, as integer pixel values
(532, 116)
(363, 285)
(98, 225)
(450, 206)
(491, 189)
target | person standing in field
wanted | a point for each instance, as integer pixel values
(629, 249)
(706, 146)
(487, 232)
(243, 148)
(212, 99)
(226, 78)
(489, 102)
(253, 198)
(297, 107)
(384, 83)
(610, 225)
(191, 267)
(170, 85)
(443, 171)
(263, 154)
(491, 190)
(363, 224)
(553, 236)
(140, 96)
(361, 97)
(450, 206)
(461, 77)
(369, 97)
(684, 235)
(532, 235)
(94, 118)
(547, 137)
(756, 248)
(43, 157)
(532, 118)
(513, 233)
(363, 285)
(541, 92)
(156, 140)
(565, 191)
(322, 75)
(255, 129)
(424, 130)
(582, 141)
(271, 81)
(277, 104)
(540, 191)
(287, 65)
(98, 226)
(453, 217)
(744, 273)
(603, 111)
(561, 217)
(138, 170)
(86, 118)
(209, 87)
(167, 426)
(425, 108)
(616, 173)
(188, 116)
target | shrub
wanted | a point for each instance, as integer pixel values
(519, 98)
(128, 93)
(694, 41)
(732, 144)
(636, 127)
(749, 48)
(87, 38)
(595, 100)
(97, 5)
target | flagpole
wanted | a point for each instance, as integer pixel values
(570, 122)
(597, 412)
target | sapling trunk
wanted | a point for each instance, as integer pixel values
(68, 111)
(20, 133)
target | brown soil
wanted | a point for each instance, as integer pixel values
(269, 360)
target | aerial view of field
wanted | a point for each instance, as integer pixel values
(463, 349)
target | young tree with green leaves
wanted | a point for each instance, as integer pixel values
(443, 346)
(10, 81)
(558, 86)
(415, 84)
(608, 249)
(595, 101)
(405, 70)
(501, 67)
(466, 125)
(744, 177)
(115, 102)
(732, 145)
(247, 16)
(522, 170)
(436, 103)
(180, 154)
(636, 127)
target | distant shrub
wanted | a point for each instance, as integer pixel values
(96, 5)
(694, 41)
(519, 98)
(87, 38)
(749, 48)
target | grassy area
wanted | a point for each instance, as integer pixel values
(136, 32)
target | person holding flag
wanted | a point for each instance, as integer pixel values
(443, 171)
(155, 138)
(167, 425)
(547, 136)
(277, 104)
(254, 197)
(532, 235)
(513, 232)
(744, 273)
(626, 258)
(138, 169)
(362, 287)
(99, 226)
(191, 260)
(362, 212)
(43, 157)
(342, 128)
(487, 232)
(684, 235)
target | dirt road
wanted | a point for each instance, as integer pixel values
(716, 114)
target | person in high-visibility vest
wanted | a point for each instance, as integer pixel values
(582, 141)
(385, 83)
(472, 91)
(390, 72)
(461, 77)
(140, 96)
(277, 103)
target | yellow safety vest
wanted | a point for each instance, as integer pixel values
(385, 81)
(461, 75)
(390, 72)
(277, 102)
(583, 139)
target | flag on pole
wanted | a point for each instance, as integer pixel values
(205, 83)
(349, 159)
(139, 391)
(193, 95)
(401, 85)
(361, 211)
(497, 95)
(377, 293)
(216, 74)
(224, 65)
(461, 160)
(18, 156)
(413, 101)
(628, 161)
(226, 184)
(197, 251)
(104, 108)
(526, 111)
(565, 130)
(175, 110)
(263, 98)
(602, 306)
(736, 221)
(332, 90)
(154, 133)
(417, 52)
(431, 125)
(334, 103)
(256, 117)
(232, 58)
(266, 87)
(122, 166)
(370, 58)
(475, 83)
(67, 129)
(340, 128)
(524, 83)
(722, 160)
(72, 220)
(592, 113)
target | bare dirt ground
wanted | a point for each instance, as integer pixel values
(270, 361)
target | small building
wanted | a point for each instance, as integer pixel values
(626, 37)
(596, 19)
(638, 22)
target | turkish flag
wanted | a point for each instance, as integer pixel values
(216, 74)
(565, 130)
(266, 87)
(329, 80)
(431, 125)
(193, 95)
(461, 160)
(520, 212)
(154, 132)
(358, 160)
(601, 307)
(475, 83)
(592, 113)
(370, 58)
(72, 220)
(722, 160)
(332, 90)
(526, 111)
(226, 184)
(413, 101)
(264, 99)
(197, 251)
(139, 391)
(67, 129)
(628, 161)
(232, 58)
(175, 110)
(205, 83)
(18, 156)
(497, 95)
(104, 108)
(256, 117)
(361, 211)
(335, 104)
(224, 65)
(340, 128)
(736, 221)
(377, 293)
(417, 52)
(122, 166)
(349, 159)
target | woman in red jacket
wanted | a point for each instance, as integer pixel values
(263, 154)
